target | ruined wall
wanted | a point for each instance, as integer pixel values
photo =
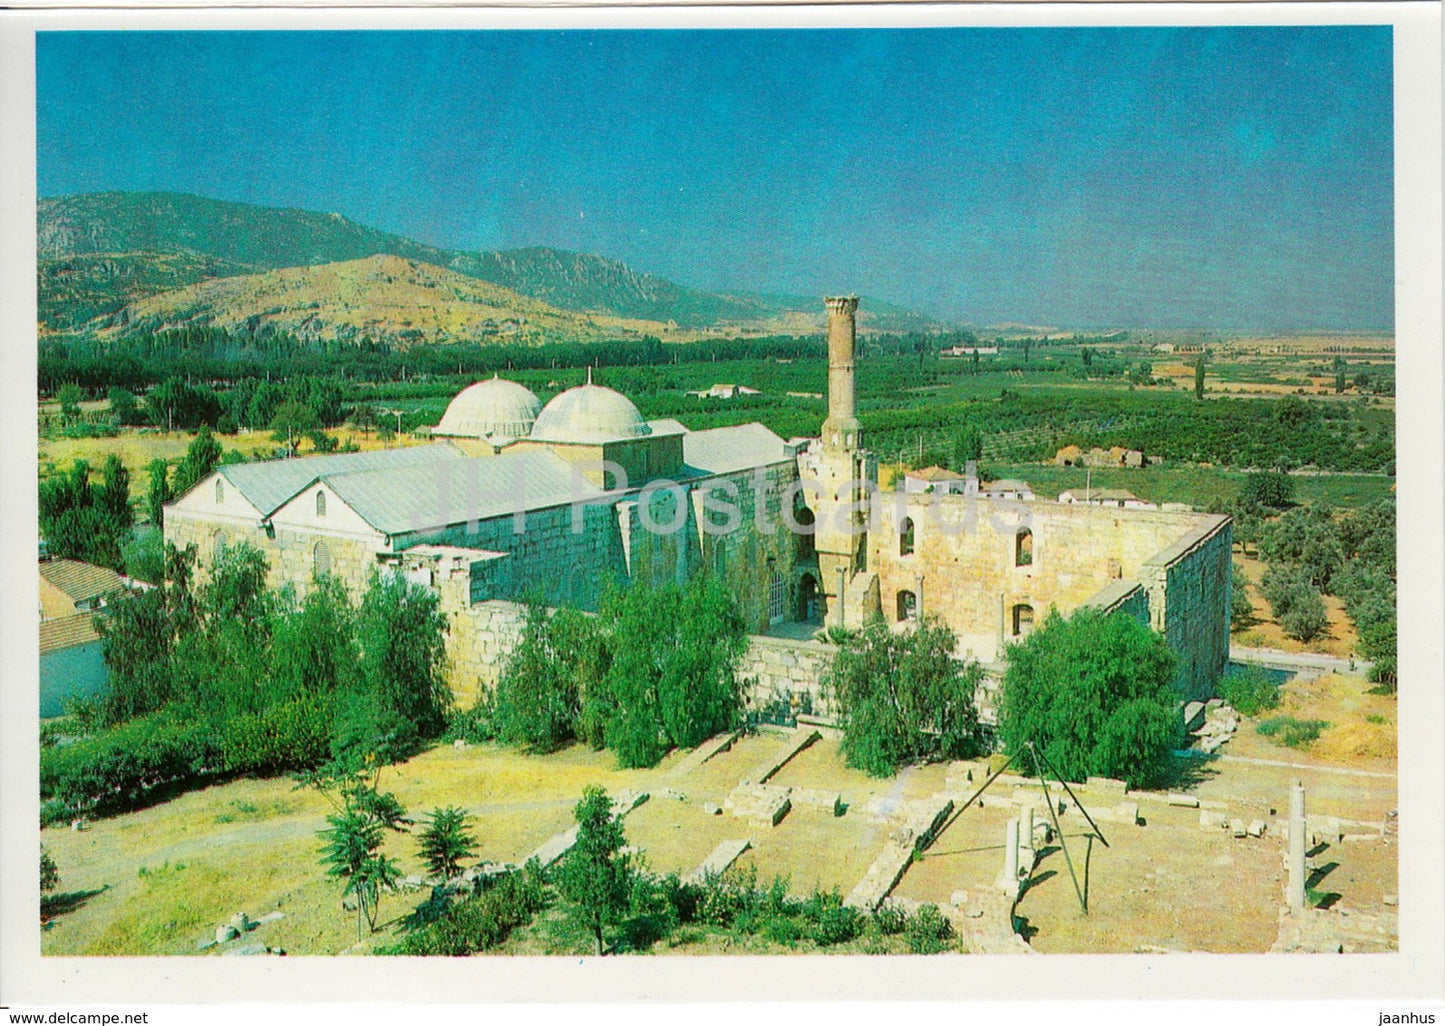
(480, 636)
(778, 668)
(964, 568)
(1188, 587)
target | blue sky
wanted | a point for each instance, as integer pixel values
(1225, 178)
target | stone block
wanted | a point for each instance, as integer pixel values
(1238, 827)
(1210, 820)
(1127, 812)
(1107, 785)
(1257, 827)
(1184, 801)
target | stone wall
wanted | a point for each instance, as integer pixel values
(779, 668)
(1188, 585)
(965, 569)
(480, 636)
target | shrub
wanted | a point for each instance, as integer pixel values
(904, 698)
(1095, 694)
(928, 931)
(287, 736)
(49, 874)
(1249, 690)
(832, 921)
(1290, 732)
(446, 841)
(889, 919)
(124, 767)
(479, 923)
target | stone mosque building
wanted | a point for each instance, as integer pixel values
(515, 501)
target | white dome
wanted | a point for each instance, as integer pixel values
(589, 413)
(490, 408)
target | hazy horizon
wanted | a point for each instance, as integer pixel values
(1206, 179)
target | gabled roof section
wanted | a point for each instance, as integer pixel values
(67, 632)
(398, 500)
(934, 474)
(727, 450)
(269, 485)
(80, 581)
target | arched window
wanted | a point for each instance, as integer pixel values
(220, 491)
(905, 537)
(320, 503)
(907, 606)
(1023, 620)
(1024, 548)
(322, 554)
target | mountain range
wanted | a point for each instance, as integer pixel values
(117, 263)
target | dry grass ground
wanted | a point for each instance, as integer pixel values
(1340, 639)
(157, 881)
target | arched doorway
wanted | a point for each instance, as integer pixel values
(810, 605)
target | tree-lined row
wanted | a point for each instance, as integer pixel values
(227, 677)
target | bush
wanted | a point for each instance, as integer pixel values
(928, 932)
(1095, 694)
(904, 698)
(1290, 732)
(288, 736)
(889, 919)
(479, 923)
(832, 921)
(124, 767)
(1249, 690)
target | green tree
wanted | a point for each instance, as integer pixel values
(124, 406)
(1308, 540)
(85, 522)
(158, 492)
(538, 697)
(903, 697)
(595, 877)
(1094, 693)
(292, 419)
(1199, 377)
(352, 849)
(968, 445)
(1272, 488)
(69, 397)
(401, 694)
(201, 458)
(446, 842)
(1241, 610)
(1296, 602)
(49, 874)
(672, 683)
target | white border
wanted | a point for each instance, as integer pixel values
(1417, 971)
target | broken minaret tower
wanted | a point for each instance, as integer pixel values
(841, 430)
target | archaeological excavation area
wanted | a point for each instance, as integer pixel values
(1204, 868)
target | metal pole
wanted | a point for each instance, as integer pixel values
(1059, 777)
(1058, 829)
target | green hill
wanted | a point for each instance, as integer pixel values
(102, 251)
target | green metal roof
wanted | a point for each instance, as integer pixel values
(727, 450)
(268, 485)
(401, 500)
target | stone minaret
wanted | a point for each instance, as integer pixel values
(845, 475)
(841, 429)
